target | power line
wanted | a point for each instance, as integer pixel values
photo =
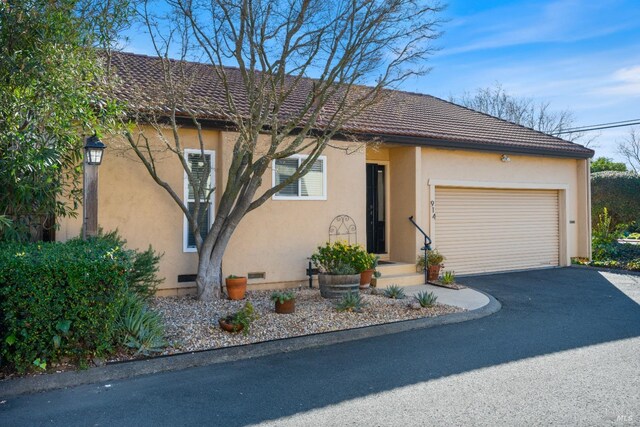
(600, 126)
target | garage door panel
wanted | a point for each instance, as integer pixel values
(485, 230)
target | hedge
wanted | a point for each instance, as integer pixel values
(619, 193)
(60, 300)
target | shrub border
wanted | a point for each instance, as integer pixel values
(176, 362)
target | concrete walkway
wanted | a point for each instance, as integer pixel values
(466, 298)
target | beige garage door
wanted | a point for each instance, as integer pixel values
(487, 230)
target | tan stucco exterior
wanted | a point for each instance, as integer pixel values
(277, 238)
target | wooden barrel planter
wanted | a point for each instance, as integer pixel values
(336, 286)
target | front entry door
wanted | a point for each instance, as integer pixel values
(376, 209)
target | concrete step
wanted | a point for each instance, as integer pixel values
(398, 279)
(396, 269)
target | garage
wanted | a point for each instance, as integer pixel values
(482, 230)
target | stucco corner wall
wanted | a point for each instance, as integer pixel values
(472, 168)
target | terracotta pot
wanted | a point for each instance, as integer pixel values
(236, 288)
(335, 285)
(365, 278)
(434, 272)
(286, 307)
(229, 327)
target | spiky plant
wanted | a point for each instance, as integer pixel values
(394, 292)
(351, 301)
(140, 328)
(448, 277)
(426, 299)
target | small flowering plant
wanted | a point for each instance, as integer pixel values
(336, 258)
(339, 257)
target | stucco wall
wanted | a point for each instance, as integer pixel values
(522, 171)
(275, 239)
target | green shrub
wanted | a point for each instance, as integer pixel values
(351, 301)
(426, 299)
(394, 292)
(282, 296)
(242, 318)
(618, 192)
(60, 300)
(634, 265)
(138, 327)
(143, 275)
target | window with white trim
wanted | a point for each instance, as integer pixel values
(311, 186)
(197, 166)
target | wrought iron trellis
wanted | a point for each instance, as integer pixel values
(343, 228)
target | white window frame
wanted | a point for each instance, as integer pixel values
(323, 159)
(185, 233)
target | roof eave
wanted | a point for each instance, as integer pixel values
(479, 146)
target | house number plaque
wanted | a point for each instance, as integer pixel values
(433, 209)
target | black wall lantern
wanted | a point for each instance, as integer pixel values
(93, 150)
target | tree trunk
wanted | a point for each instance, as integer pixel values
(209, 279)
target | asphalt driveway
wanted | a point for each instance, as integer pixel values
(564, 349)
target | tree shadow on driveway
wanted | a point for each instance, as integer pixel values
(544, 311)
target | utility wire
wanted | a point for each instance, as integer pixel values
(600, 126)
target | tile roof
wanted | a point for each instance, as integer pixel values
(401, 117)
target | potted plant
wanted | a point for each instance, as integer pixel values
(236, 287)
(434, 262)
(285, 301)
(337, 273)
(240, 320)
(366, 264)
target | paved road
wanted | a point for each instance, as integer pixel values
(564, 350)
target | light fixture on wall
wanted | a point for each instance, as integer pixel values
(505, 158)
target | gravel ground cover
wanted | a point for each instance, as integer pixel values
(193, 325)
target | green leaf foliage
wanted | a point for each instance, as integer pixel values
(72, 291)
(50, 76)
(602, 164)
(618, 192)
(66, 300)
(140, 328)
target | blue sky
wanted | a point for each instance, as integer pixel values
(580, 55)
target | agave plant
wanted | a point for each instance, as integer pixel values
(426, 299)
(394, 292)
(448, 277)
(140, 328)
(351, 301)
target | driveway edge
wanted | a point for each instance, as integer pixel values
(128, 369)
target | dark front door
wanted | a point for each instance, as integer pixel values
(376, 209)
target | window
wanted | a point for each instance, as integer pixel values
(197, 166)
(312, 186)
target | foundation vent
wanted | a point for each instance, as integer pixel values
(259, 275)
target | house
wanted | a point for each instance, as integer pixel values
(494, 196)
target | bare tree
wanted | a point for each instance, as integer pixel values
(496, 102)
(301, 67)
(629, 148)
